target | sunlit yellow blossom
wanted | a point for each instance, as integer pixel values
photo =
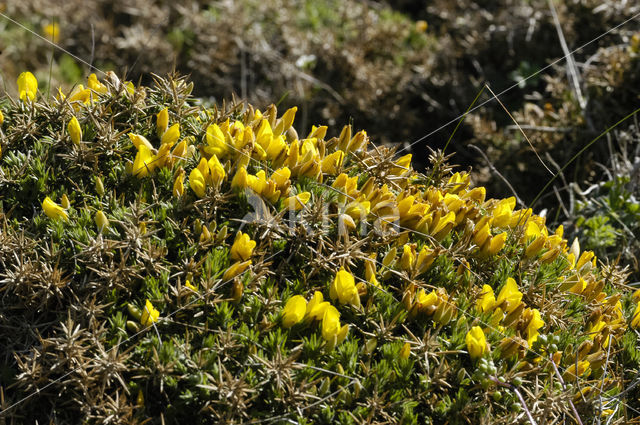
(534, 325)
(52, 32)
(476, 342)
(487, 300)
(162, 122)
(216, 143)
(317, 306)
(190, 286)
(79, 95)
(95, 85)
(296, 202)
(332, 163)
(139, 140)
(408, 257)
(332, 332)
(240, 179)
(171, 136)
(635, 319)
(27, 86)
(197, 182)
(101, 221)
(75, 132)
(509, 297)
(294, 311)
(242, 247)
(426, 303)
(216, 171)
(236, 269)
(502, 212)
(149, 314)
(344, 289)
(178, 184)
(143, 163)
(53, 210)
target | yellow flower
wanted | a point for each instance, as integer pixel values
(476, 342)
(331, 163)
(52, 32)
(332, 332)
(534, 325)
(190, 286)
(408, 258)
(162, 122)
(216, 143)
(236, 269)
(143, 163)
(502, 212)
(509, 297)
(74, 130)
(297, 202)
(96, 85)
(294, 311)
(139, 140)
(64, 201)
(405, 351)
(1, 117)
(635, 319)
(217, 173)
(149, 314)
(344, 289)
(242, 247)
(171, 136)
(197, 183)
(53, 210)
(426, 303)
(317, 306)
(240, 179)
(101, 221)
(487, 300)
(27, 86)
(178, 184)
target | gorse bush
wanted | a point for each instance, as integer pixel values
(168, 261)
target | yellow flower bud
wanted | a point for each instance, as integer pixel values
(197, 182)
(162, 122)
(178, 184)
(74, 130)
(236, 269)
(64, 201)
(27, 86)
(99, 186)
(405, 351)
(101, 221)
(476, 342)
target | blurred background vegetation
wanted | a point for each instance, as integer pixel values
(399, 69)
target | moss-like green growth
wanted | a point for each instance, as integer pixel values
(215, 265)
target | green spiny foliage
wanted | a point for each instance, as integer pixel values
(209, 264)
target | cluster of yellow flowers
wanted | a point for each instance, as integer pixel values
(397, 203)
(343, 290)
